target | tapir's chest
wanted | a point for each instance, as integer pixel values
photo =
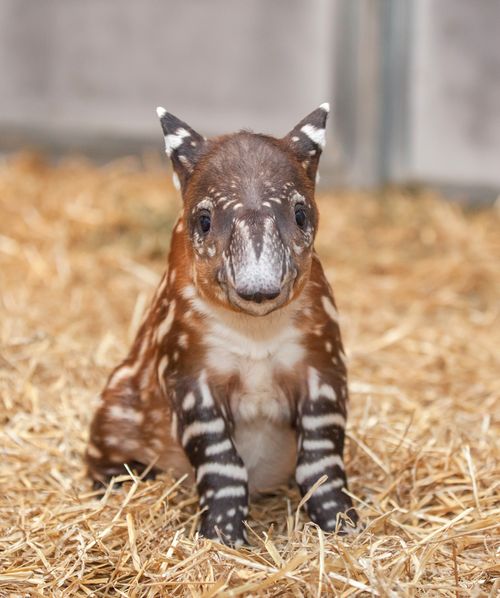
(261, 404)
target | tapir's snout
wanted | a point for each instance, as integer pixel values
(257, 266)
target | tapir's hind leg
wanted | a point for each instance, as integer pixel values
(133, 430)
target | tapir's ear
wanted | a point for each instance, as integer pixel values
(183, 145)
(307, 139)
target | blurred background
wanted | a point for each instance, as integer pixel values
(414, 86)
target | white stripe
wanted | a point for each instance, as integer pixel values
(329, 504)
(166, 324)
(313, 422)
(333, 485)
(162, 366)
(329, 308)
(230, 491)
(198, 428)
(307, 470)
(312, 445)
(316, 390)
(237, 472)
(206, 396)
(315, 135)
(219, 447)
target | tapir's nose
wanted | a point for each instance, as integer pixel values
(259, 297)
(257, 258)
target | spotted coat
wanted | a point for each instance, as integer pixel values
(237, 375)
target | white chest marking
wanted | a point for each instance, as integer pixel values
(256, 350)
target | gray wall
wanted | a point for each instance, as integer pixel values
(102, 67)
(415, 86)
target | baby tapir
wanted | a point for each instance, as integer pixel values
(237, 375)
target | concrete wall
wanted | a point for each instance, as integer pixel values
(415, 86)
(101, 66)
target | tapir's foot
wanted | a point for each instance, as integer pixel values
(225, 525)
(102, 473)
(333, 512)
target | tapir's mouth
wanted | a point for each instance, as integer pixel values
(258, 302)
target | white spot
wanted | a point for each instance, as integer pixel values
(229, 527)
(330, 504)
(231, 513)
(316, 390)
(307, 470)
(175, 140)
(161, 112)
(329, 308)
(189, 401)
(295, 138)
(315, 135)
(313, 422)
(275, 199)
(237, 205)
(325, 106)
(125, 414)
(93, 451)
(266, 203)
(213, 426)
(230, 492)
(175, 356)
(172, 276)
(112, 440)
(183, 340)
(328, 346)
(319, 444)
(219, 447)
(236, 472)
(173, 426)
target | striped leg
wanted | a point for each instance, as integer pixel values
(321, 425)
(221, 477)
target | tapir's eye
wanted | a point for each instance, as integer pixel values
(204, 221)
(300, 216)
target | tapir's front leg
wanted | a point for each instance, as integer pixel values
(321, 426)
(221, 477)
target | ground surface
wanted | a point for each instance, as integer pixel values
(418, 285)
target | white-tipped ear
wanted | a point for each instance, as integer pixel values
(183, 145)
(307, 139)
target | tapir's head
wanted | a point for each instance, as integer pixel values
(249, 213)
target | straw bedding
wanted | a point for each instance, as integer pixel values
(417, 281)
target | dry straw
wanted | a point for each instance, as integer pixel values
(418, 286)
